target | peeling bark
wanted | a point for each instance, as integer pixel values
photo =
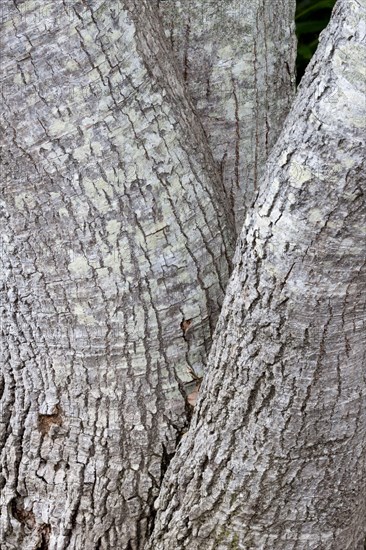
(238, 62)
(275, 456)
(114, 236)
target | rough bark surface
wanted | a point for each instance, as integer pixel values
(115, 244)
(238, 62)
(275, 456)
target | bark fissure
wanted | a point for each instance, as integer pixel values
(280, 422)
(238, 62)
(116, 228)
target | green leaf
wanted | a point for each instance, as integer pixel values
(309, 27)
(304, 9)
(305, 52)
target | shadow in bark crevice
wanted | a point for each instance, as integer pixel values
(23, 516)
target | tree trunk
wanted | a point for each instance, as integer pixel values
(117, 254)
(275, 456)
(238, 62)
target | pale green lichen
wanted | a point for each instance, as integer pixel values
(82, 317)
(63, 213)
(96, 189)
(315, 215)
(79, 266)
(113, 261)
(299, 174)
(60, 127)
(291, 198)
(81, 153)
(24, 199)
(113, 228)
(225, 536)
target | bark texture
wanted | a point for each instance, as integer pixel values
(115, 244)
(275, 456)
(238, 62)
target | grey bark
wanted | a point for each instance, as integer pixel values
(276, 454)
(115, 243)
(238, 62)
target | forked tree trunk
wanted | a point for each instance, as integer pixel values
(116, 247)
(238, 61)
(275, 456)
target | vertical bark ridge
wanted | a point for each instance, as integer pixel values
(114, 232)
(275, 456)
(238, 61)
